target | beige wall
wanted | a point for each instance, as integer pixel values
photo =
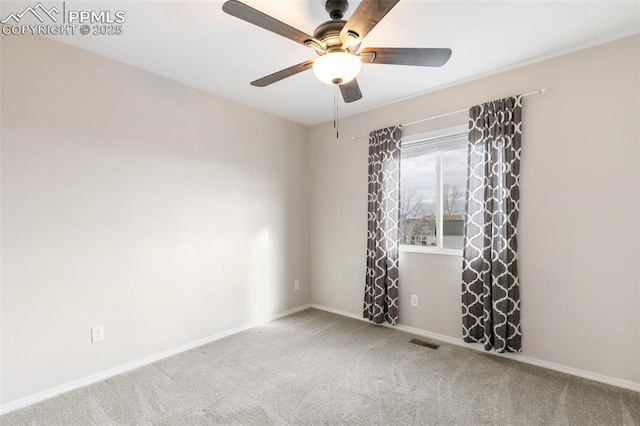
(578, 231)
(161, 212)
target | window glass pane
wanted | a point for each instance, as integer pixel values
(418, 200)
(454, 186)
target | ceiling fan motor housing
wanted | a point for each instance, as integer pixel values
(329, 33)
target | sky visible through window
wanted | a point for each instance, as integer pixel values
(419, 180)
(418, 183)
(454, 176)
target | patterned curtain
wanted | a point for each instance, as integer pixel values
(381, 287)
(490, 287)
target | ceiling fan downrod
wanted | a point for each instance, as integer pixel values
(336, 8)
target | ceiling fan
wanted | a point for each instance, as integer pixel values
(337, 42)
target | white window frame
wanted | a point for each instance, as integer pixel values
(423, 137)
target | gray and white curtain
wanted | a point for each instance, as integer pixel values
(381, 283)
(490, 286)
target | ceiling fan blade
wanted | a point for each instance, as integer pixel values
(421, 57)
(262, 20)
(365, 17)
(350, 91)
(277, 76)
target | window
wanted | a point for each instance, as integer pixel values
(433, 183)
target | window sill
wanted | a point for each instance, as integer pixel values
(430, 250)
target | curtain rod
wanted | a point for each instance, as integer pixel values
(411, 123)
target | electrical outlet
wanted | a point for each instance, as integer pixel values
(414, 300)
(296, 285)
(97, 334)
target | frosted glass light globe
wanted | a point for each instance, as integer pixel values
(337, 67)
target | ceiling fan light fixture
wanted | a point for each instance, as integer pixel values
(337, 67)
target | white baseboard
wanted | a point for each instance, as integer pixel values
(626, 384)
(103, 375)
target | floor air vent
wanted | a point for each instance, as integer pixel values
(423, 343)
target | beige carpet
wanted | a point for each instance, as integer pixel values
(316, 368)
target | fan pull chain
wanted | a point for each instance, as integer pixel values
(334, 106)
(336, 116)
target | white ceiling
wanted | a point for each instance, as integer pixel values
(195, 43)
